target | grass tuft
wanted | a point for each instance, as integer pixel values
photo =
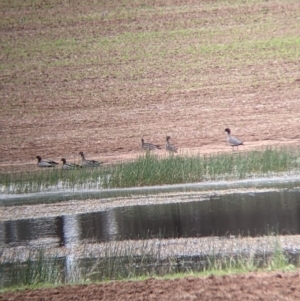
(149, 170)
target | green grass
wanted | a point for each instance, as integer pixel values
(119, 262)
(34, 270)
(43, 180)
(149, 170)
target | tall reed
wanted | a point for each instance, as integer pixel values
(152, 170)
(149, 169)
(118, 261)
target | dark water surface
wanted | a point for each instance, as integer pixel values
(238, 213)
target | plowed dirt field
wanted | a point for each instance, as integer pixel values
(96, 77)
(254, 286)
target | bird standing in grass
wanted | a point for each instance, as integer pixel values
(232, 140)
(88, 163)
(169, 147)
(149, 146)
(69, 165)
(45, 163)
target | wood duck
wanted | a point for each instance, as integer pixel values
(232, 140)
(149, 146)
(45, 163)
(69, 165)
(169, 147)
(88, 163)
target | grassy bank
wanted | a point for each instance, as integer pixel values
(151, 170)
(119, 261)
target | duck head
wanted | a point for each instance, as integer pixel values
(227, 130)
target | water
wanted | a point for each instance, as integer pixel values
(240, 213)
(246, 214)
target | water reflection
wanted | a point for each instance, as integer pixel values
(246, 214)
(71, 230)
(39, 231)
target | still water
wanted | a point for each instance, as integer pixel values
(248, 214)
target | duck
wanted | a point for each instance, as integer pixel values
(149, 146)
(88, 163)
(45, 163)
(169, 147)
(69, 165)
(233, 141)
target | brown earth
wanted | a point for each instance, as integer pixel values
(57, 99)
(255, 286)
(65, 89)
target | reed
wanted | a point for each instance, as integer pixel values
(119, 261)
(152, 170)
(35, 269)
(149, 169)
(54, 179)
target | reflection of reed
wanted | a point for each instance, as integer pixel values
(111, 225)
(71, 230)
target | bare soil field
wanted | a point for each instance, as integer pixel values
(97, 76)
(254, 286)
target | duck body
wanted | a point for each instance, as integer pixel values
(69, 165)
(88, 163)
(149, 146)
(169, 147)
(45, 163)
(233, 141)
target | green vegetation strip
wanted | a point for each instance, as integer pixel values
(150, 170)
(116, 261)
